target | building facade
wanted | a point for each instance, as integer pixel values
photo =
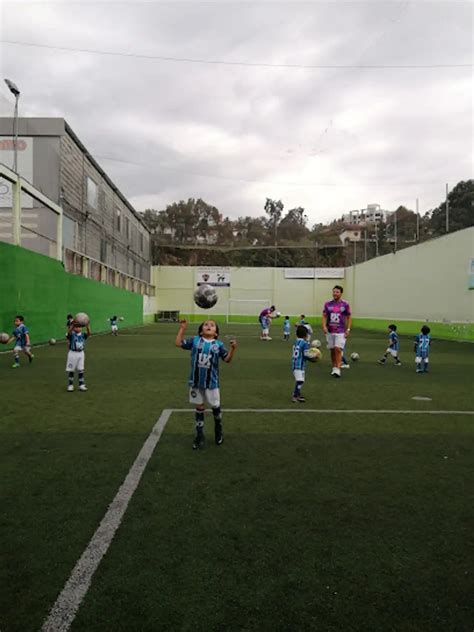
(373, 214)
(104, 237)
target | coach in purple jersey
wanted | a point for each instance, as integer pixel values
(337, 322)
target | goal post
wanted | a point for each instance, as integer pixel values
(245, 311)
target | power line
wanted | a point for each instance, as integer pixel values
(189, 60)
(266, 182)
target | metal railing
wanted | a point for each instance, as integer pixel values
(76, 262)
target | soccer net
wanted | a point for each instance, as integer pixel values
(245, 310)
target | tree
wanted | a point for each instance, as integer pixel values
(461, 209)
(292, 227)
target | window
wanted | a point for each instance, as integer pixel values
(127, 228)
(92, 192)
(69, 233)
(119, 221)
(141, 242)
(103, 251)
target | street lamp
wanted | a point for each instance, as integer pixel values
(16, 93)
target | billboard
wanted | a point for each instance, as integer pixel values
(217, 277)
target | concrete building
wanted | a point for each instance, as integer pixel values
(373, 214)
(104, 237)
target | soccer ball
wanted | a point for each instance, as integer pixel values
(205, 296)
(82, 319)
(4, 338)
(121, 318)
(313, 354)
(354, 356)
(52, 341)
(316, 344)
(277, 314)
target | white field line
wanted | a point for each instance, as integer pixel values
(64, 610)
(67, 604)
(301, 409)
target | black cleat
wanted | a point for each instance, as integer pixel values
(218, 435)
(198, 442)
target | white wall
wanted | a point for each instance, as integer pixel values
(175, 286)
(428, 281)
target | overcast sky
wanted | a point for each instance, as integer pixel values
(265, 123)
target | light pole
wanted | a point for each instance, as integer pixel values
(16, 93)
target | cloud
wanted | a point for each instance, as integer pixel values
(328, 139)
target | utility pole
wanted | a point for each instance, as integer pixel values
(417, 222)
(447, 209)
(395, 230)
(365, 244)
(376, 240)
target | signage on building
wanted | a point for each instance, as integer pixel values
(217, 277)
(314, 273)
(25, 168)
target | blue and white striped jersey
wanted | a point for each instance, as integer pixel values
(77, 342)
(286, 326)
(205, 356)
(298, 360)
(422, 344)
(20, 335)
(394, 343)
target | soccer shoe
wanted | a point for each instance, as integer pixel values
(336, 372)
(198, 442)
(419, 370)
(345, 366)
(381, 361)
(218, 436)
(299, 399)
(30, 358)
(82, 387)
(70, 388)
(15, 366)
(398, 363)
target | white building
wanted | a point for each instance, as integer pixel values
(371, 215)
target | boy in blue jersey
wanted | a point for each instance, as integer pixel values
(21, 336)
(393, 346)
(76, 356)
(298, 361)
(422, 349)
(69, 321)
(286, 328)
(113, 325)
(206, 351)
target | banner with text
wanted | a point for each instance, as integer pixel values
(217, 277)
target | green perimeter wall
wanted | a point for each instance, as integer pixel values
(424, 283)
(38, 288)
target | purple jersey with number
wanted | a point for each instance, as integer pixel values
(265, 312)
(336, 313)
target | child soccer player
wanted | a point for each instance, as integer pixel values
(305, 323)
(393, 346)
(76, 356)
(422, 349)
(113, 325)
(206, 351)
(286, 328)
(21, 336)
(69, 321)
(298, 361)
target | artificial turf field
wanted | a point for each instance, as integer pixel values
(299, 521)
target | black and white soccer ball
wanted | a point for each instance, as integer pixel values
(354, 356)
(205, 296)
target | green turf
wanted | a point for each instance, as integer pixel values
(298, 522)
